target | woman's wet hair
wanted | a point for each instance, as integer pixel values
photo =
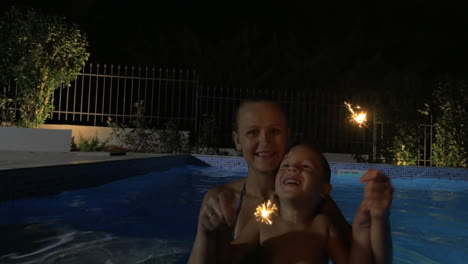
(312, 146)
(251, 100)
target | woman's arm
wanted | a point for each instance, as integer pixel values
(213, 228)
(204, 248)
(342, 226)
(338, 249)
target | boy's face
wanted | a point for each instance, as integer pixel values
(261, 136)
(301, 175)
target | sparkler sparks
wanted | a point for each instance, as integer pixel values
(358, 117)
(265, 211)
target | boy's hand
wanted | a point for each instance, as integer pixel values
(378, 193)
(217, 213)
(375, 205)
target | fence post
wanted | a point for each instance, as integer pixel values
(197, 84)
(374, 134)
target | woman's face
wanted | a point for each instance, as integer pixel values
(261, 135)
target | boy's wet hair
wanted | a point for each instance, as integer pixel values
(309, 144)
(250, 100)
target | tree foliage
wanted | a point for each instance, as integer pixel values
(38, 54)
(207, 138)
(141, 136)
(405, 145)
(449, 107)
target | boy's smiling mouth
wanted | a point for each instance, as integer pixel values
(291, 181)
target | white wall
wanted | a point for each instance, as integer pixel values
(102, 133)
(35, 139)
(87, 132)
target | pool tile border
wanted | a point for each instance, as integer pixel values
(393, 171)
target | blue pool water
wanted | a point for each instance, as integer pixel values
(151, 218)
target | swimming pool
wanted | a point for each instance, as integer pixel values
(151, 218)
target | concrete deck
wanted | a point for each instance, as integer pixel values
(26, 159)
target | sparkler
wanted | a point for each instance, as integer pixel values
(265, 211)
(358, 117)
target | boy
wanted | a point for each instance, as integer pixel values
(299, 233)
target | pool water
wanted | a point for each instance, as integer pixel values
(429, 217)
(152, 219)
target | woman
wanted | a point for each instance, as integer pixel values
(261, 134)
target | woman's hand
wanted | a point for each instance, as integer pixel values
(217, 213)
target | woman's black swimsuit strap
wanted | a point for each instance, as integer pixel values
(239, 205)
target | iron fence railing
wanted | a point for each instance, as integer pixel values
(427, 132)
(316, 115)
(101, 92)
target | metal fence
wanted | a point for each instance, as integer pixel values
(320, 116)
(427, 132)
(101, 92)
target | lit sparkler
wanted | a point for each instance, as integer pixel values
(265, 211)
(358, 117)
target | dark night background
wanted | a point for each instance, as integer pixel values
(354, 46)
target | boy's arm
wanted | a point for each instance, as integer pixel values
(381, 240)
(361, 248)
(378, 196)
(372, 241)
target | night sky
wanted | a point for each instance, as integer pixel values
(319, 45)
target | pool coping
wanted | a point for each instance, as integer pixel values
(10, 159)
